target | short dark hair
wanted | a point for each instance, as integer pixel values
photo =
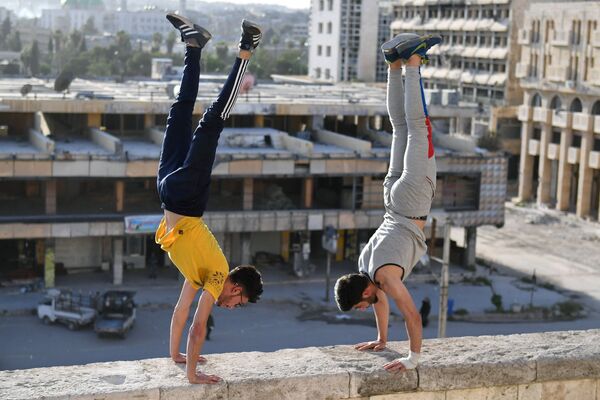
(248, 277)
(349, 289)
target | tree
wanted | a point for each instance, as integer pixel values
(157, 39)
(170, 41)
(50, 45)
(222, 50)
(82, 45)
(5, 29)
(58, 40)
(14, 41)
(89, 28)
(34, 60)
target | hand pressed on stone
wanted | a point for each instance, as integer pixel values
(395, 366)
(180, 358)
(376, 345)
(204, 379)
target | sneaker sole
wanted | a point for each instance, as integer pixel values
(207, 35)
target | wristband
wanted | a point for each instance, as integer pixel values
(411, 361)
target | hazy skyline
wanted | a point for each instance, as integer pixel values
(286, 3)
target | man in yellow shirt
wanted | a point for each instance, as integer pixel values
(186, 163)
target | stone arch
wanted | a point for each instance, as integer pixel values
(576, 105)
(596, 108)
(536, 100)
(556, 103)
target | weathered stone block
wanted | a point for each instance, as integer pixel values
(71, 168)
(584, 389)
(367, 376)
(487, 393)
(111, 168)
(32, 168)
(411, 396)
(532, 391)
(317, 167)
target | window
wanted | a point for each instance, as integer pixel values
(318, 73)
(328, 54)
(320, 27)
(330, 5)
(327, 73)
(329, 27)
(321, 5)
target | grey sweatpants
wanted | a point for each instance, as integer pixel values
(409, 186)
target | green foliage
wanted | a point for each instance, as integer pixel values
(497, 302)
(5, 30)
(569, 308)
(50, 45)
(13, 41)
(477, 281)
(89, 28)
(170, 42)
(157, 40)
(461, 311)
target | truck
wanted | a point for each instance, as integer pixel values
(72, 310)
(116, 313)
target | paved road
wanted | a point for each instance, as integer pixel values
(267, 326)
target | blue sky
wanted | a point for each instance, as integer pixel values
(287, 3)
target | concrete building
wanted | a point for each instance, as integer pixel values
(560, 139)
(342, 37)
(477, 58)
(77, 178)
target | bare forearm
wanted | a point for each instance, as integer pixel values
(177, 325)
(194, 345)
(382, 315)
(414, 329)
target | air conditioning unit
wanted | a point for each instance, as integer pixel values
(570, 84)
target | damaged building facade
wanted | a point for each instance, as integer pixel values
(78, 175)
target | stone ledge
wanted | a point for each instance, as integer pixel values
(508, 367)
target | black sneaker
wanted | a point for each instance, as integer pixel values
(404, 45)
(251, 36)
(190, 32)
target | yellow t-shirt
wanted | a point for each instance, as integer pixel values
(195, 252)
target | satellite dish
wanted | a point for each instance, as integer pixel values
(64, 80)
(26, 89)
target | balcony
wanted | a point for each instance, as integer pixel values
(582, 121)
(596, 39)
(534, 147)
(524, 113)
(553, 151)
(561, 38)
(562, 119)
(557, 74)
(594, 161)
(573, 155)
(524, 37)
(540, 114)
(522, 70)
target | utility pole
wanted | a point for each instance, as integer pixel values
(443, 314)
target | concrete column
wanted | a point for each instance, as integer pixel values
(285, 246)
(259, 121)
(584, 188)
(564, 171)
(49, 271)
(248, 194)
(118, 261)
(50, 196)
(120, 195)
(526, 165)
(246, 253)
(94, 120)
(149, 120)
(452, 126)
(308, 192)
(317, 122)
(363, 124)
(545, 167)
(470, 246)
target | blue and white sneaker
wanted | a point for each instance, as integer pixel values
(251, 36)
(191, 34)
(404, 45)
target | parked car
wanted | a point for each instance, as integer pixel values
(74, 311)
(116, 313)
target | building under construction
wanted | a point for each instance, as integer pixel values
(78, 186)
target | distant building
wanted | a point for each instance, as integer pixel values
(342, 37)
(560, 75)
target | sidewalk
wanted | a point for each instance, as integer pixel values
(562, 249)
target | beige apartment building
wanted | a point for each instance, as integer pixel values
(560, 76)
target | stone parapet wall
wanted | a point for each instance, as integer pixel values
(542, 366)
